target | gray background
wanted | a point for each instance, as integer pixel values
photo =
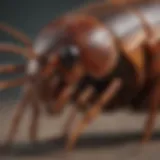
(29, 16)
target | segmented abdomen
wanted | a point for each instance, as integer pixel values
(134, 27)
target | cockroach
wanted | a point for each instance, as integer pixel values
(97, 57)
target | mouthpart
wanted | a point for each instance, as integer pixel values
(32, 67)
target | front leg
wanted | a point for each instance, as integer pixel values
(35, 119)
(154, 104)
(20, 110)
(94, 111)
(69, 122)
(82, 100)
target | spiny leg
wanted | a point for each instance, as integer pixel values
(109, 93)
(81, 100)
(69, 122)
(17, 34)
(35, 119)
(72, 80)
(47, 93)
(85, 96)
(154, 102)
(17, 117)
(63, 98)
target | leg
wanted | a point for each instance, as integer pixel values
(84, 97)
(63, 98)
(17, 117)
(69, 122)
(81, 101)
(34, 121)
(94, 111)
(154, 102)
(71, 80)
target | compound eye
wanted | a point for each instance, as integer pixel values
(69, 55)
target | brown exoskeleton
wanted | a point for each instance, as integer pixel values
(101, 56)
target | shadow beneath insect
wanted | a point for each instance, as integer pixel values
(87, 141)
